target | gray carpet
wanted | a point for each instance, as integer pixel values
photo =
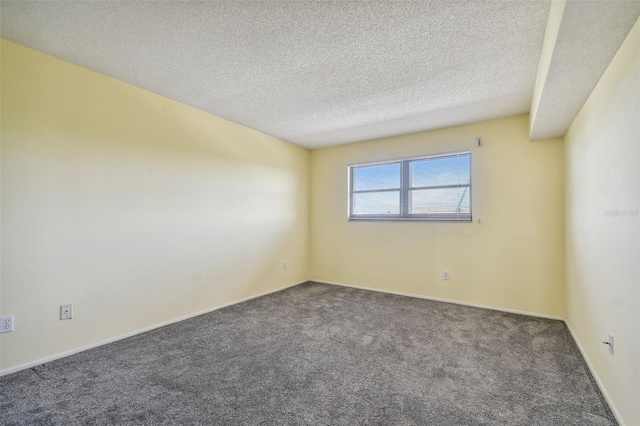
(321, 355)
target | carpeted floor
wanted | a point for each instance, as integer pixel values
(321, 355)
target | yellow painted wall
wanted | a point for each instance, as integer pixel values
(513, 259)
(603, 257)
(135, 208)
(139, 210)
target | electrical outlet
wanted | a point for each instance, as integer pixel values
(445, 275)
(284, 265)
(6, 324)
(66, 312)
(609, 342)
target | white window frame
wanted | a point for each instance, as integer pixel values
(405, 189)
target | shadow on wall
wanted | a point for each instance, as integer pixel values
(120, 201)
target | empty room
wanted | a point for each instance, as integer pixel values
(320, 212)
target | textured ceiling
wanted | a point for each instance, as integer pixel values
(313, 73)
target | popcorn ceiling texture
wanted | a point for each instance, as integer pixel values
(313, 73)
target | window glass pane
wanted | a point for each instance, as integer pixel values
(383, 176)
(441, 171)
(440, 201)
(378, 203)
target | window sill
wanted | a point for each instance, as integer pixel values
(407, 219)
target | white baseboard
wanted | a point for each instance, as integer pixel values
(133, 333)
(595, 376)
(438, 299)
(398, 293)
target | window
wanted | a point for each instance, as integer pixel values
(436, 188)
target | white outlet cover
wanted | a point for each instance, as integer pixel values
(445, 275)
(66, 312)
(6, 323)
